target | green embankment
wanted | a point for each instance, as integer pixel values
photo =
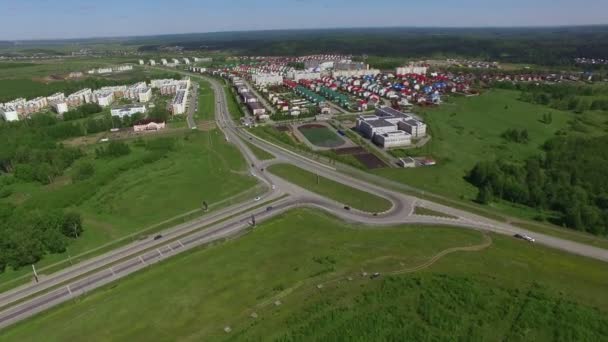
(352, 197)
(126, 194)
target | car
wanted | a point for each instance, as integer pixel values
(524, 237)
(273, 186)
(268, 208)
(346, 207)
(375, 275)
(257, 198)
(158, 237)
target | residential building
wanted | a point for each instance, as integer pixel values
(141, 62)
(354, 73)
(266, 79)
(298, 75)
(57, 97)
(249, 98)
(128, 110)
(35, 105)
(9, 114)
(152, 62)
(187, 61)
(80, 97)
(163, 61)
(103, 98)
(59, 107)
(393, 139)
(411, 69)
(175, 61)
(369, 126)
(178, 106)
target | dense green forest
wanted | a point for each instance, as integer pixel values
(568, 178)
(542, 46)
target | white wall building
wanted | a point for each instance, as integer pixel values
(355, 73)
(297, 75)
(163, 61)
(393, 139)
(411, 69)
(152, 62)
(60, 107)
(9, 114)
(103, 98)
(141, 62)
(128, 110)
(266, 79)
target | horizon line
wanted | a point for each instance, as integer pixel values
(298, 29)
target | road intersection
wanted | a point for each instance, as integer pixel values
(281, 196)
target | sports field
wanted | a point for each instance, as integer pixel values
(126, 194)
(320, 135)
(352, 197)
(303, 280)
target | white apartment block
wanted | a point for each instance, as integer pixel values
(57, 97)
(152, 62)
(80, 97)
(411, 69)
(141, 62)
(139, 92)
(186, 60)
(163, 61)
(303, 75)
(355, 73)
(60, 107)
(129, 110)
(103, 98)
(175, 61)
(178, 106)
(9, 114)
(266, 79)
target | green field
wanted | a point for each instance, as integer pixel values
(508, 291)
(126, 195)
(206, 102)
(235, 109)
(321, 136)
(467, 130)
(339, 192)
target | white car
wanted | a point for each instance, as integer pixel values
(525, 237)
(257, 198)
(273, 186)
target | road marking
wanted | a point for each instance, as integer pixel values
(142, 260)
(159, 252)
(181, 244)
(112, 270)
(69, 290)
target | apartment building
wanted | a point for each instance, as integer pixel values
(128, 110)
(266, 79)
(80, 97)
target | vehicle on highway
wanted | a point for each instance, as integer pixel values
(273, 186)
(525, 237)
(346, 207)
(257, 198)
(375, 275)
(193, 127)
(268, 208)
(158, 237)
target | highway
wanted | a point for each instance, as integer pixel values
(281, 196)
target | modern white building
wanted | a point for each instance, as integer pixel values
(152, 62)
(139, 92)
(393, 139)
(141, 62)
(128, 110)
(175, 61)
(80, 97)
(103, 98)
(163, 61)
(266, 79)
(297, 75)
(9, 114)
(59, 107)
(355, 73)
(187, 61)
(414, 127)
(411, 69)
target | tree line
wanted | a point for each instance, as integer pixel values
(568, 178)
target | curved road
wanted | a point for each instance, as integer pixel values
(27, 300)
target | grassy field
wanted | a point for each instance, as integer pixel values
(126, 195)
(507, 291)
(236, 110)
(352, 197)
(206, 102)
(467, 130)
(321, 136)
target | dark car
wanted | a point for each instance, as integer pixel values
(158, 237)
(346, 207)
(268, 208)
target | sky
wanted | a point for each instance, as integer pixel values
(51, 19)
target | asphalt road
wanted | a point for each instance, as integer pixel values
(91, 274)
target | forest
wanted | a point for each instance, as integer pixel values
(569, 178)
(543, 46)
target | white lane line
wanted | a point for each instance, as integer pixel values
(180, 243)
(112, 270)
(69, 290)
(159, 252)
(142, 260)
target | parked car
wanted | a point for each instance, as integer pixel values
(525, 237)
